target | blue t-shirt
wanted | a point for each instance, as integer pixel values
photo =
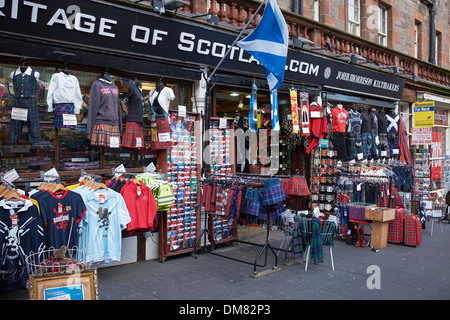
(101, 228)
(61, 214)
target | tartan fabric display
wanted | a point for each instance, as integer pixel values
(412, 231)
(273, 192)
(316, 249)
(254, 202)
(133, 130)
(393, 143)
(102, 133)
(297, 186)
(403, 141)
(60, 109)
(209, 198)
(366, 143)
(373, 147)
(16, 126)
(297, 239)
(162, 126)
(351, 146)
(395, 228)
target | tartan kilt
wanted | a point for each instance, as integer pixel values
(162, 126)
(273, 192)
(395, 229)
(366, 143)
(102, 133)
(412, 231)
(60, 109)
(133, 130)
(297, 186)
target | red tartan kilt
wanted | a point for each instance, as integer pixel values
(412, 231)
(133, 130)
(163, 126)
(395, 230)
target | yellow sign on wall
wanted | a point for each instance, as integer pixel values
(424, 114)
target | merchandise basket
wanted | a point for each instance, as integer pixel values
(62, 260)
(438, 213)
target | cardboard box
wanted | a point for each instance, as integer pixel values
(380, 214)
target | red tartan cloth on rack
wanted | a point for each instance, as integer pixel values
(297, 186)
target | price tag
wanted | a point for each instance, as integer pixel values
(164, 137)
(384, 153)
(69, 120)
(19, 114)
(14, 220)
(182, 111)
(60, 208)
(120, 169)
(11, 175)
(138, 142)
(360, 156)
(102, 198)
(395, 151)
(316, 114)
(222, 123)
(150, 168)
(52, 173)
(305, 130)
(114, 142)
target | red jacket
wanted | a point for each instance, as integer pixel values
(318, 128)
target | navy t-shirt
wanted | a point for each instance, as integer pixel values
(61, 214)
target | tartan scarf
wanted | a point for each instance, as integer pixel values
(297, 242)
(316, 250)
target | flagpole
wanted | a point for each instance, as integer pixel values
(234, 42)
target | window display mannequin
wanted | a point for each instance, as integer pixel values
(25, 82)
(354, 145)
(64, 97)
(374, 131)
(104, 117)
(366, 133)
(133, 137)
(383, 123)
(339, 118)
(160, 98)
(392, 133)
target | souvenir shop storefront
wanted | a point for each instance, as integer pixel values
(64, 153)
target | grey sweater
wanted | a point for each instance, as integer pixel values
(104, 106)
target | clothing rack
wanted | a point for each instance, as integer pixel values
(265, 247)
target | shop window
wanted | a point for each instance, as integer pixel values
(69, 149)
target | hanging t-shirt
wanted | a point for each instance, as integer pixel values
(21, 233)
(354, 122)
(101, 228)
(61, 214)
(64, 88)
(141, 206)
(165, 96)
(338, 119)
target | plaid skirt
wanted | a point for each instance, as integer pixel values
(273, 192)
(366, 143)
(297, 186)
(60, 109)
(162, 126)
(133, 130)
(102, 133)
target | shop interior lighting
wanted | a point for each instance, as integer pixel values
(234, 94)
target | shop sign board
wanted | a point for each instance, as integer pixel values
(421, 136)
(110, 26)
(423, 114)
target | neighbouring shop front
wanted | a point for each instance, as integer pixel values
(149, 168)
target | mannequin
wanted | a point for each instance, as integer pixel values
(374, 131)
(354, 145)
(64, 97)
(25, 83)
(339, 118)
(104, 124)
(318, 126)
(160, 99)
(133, 137)
(392, 133)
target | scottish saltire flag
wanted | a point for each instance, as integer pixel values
(268, 43)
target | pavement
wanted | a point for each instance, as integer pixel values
(397, 272)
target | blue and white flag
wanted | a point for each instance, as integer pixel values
(268, 43)
(274, 111)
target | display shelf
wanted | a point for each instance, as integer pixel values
(179, 227)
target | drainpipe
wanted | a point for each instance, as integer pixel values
(432, 58)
